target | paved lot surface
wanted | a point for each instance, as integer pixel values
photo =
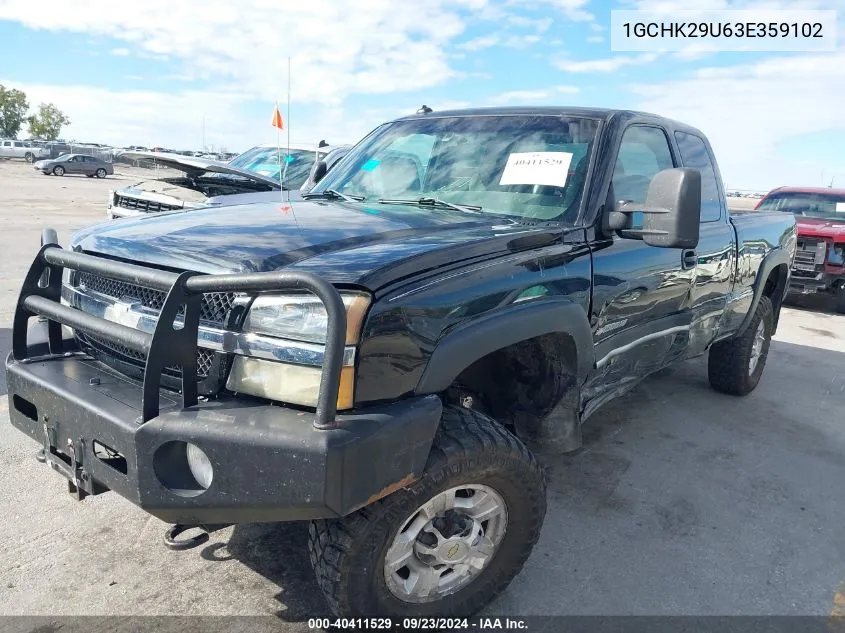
(683, 501)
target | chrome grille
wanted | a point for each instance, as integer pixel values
(808, 254)
(148, 206)
(215, 305)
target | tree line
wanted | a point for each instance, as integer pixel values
(44, 124)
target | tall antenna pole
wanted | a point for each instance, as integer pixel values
(203, 132)
(287, 159)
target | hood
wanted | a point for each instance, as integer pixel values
(820, 227)
(357, 243)
(195, 166)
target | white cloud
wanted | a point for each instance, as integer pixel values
(529, 97)
(748, 110)
(608, 65)
(575, 10)
(120, 52)
(366, 48)
(595, 26)
(175, 119)
(480, 43)
(596, 39)
(522, 96)
(521, 41)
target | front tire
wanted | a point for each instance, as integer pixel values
(101, 173)
(735, 365)
(29, 157)
(449, 543)
(58, 170)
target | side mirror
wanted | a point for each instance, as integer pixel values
(320, 170)
(671, 213)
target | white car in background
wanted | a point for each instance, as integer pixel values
(186, 182)
(12, 148)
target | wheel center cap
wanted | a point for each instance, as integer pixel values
(453, 551)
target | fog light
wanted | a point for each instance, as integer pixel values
(182, 468)
(200, 466)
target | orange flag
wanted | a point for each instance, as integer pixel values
(277, 118)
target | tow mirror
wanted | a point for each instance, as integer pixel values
(671, 213)
(320, 170)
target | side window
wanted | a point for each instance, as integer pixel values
(644, 151)
(694, 154)
(7, 143)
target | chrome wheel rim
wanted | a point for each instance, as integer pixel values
(445, 544)
(757, 347)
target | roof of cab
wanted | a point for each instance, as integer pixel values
(593, 113)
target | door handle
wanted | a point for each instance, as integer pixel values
(689, 259)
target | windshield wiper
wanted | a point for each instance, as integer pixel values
(436, 202)
(334, 194)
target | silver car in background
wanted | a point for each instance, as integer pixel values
(182, 183)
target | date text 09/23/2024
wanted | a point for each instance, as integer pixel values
(418, 624)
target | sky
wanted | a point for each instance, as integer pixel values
(177, 74)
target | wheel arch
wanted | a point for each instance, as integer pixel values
(475, 339)
(772, 280)
(525, 365)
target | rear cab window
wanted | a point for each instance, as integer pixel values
(643, 152)
(694, 153)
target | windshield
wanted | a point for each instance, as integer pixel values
(827, 206)
(265, 161)
(526, 166)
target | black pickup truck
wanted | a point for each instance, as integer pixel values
(386, 357)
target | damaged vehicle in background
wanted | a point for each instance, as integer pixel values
(819, 265)
(199, 182)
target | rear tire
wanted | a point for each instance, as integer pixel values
(356, 558)
(58, 170)
(735, 365)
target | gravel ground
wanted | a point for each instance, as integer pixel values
(683, 501)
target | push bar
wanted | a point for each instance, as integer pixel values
(174, 339)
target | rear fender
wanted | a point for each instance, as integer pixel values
(772, 260)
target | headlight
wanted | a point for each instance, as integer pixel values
(303, 317)
(295, 317)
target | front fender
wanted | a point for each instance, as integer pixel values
(475, 339)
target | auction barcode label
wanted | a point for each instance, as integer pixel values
(737, 30)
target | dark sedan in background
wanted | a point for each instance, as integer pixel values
(91, 166)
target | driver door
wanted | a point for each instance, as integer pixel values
(73, 165)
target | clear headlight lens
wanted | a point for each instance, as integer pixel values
(296, 317)
(302, 317)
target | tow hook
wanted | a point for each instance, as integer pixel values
(172, 540)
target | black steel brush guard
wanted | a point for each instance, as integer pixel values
(170, 344)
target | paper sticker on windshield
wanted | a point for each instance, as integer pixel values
(537, 168)
(840, 207)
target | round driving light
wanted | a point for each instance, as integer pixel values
(200, 466)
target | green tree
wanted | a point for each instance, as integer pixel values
(13, 108)
(47, 122)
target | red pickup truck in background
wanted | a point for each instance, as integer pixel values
(819, 212)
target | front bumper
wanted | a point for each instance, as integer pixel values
(802, 283)
(104, 430)
(270, 463)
